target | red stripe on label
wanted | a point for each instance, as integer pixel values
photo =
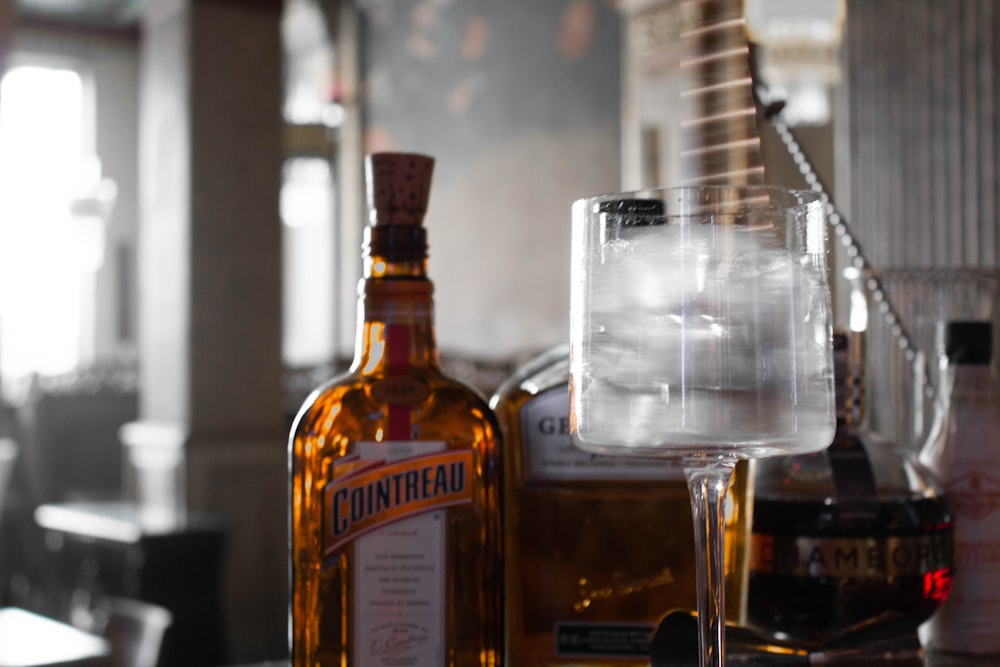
(398, 337)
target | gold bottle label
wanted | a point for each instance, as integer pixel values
(375, 493)
(385, 506)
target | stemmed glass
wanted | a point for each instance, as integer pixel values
(700, 332)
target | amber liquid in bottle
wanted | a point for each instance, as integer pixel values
(395, 512)
(597, 549)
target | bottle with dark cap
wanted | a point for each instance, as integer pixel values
(849, 535)
(597, 548)
(964, 449)
(395, 478)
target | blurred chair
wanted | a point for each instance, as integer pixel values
(8, 456)
(135, 630)
(106, 552)
(8, 453)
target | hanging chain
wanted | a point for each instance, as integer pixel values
(855, 254)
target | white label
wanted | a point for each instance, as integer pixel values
(550, 454)
(399, 586)
(967, 623)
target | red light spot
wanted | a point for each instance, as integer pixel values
(937, 584)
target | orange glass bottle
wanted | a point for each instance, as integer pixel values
(395, 510)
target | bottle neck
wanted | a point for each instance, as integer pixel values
(395, 326)
(971, 381)
(380, 266)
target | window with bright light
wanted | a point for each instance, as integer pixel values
(41, 164)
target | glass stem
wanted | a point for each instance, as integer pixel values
(708, 481)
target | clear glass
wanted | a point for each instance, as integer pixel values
(700, 332)
(907, 390)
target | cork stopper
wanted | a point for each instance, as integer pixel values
(398, 188)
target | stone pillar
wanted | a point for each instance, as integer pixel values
(210, 286)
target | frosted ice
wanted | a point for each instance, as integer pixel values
(700, 341)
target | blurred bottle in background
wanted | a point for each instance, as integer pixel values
(850, 535)
(964, 450)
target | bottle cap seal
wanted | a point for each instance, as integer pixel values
(969, 342)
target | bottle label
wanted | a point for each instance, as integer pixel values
(892, 556)
(603, 640)
(402, 391)
(967, 623)
(399, 390)
(550, 454)
(973, 486)
(389, 501)
(381, 487)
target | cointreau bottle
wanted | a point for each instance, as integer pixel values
(395, 506)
